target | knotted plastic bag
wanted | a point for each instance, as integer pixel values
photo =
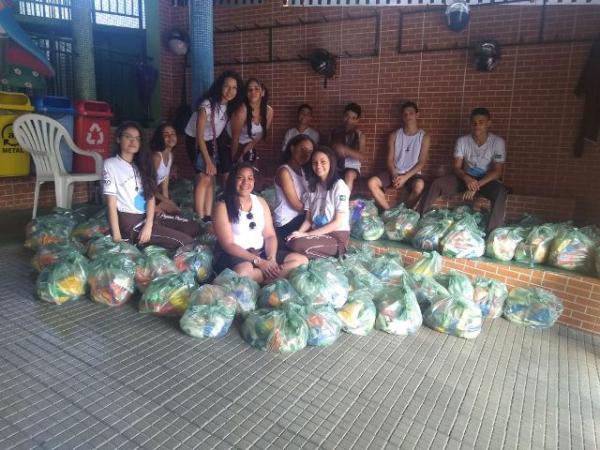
(359, 277)
(454, 316)
(398, 311)
(358, 314)
(168, 295)
(91, 228)
(320, 283)
(105, 245)
(324, 325)
(111, 279)
(63, 281)
(243, 289)
(400, 223)
(427, 290)
(197, 259)
(278, 293)
(571, 250)
(363, 253)
(490, 295)
(388, 268)
(210, 313)
(431, 228)
(48, 255)
(503, 241)
(428, 265)
(369, 228)
(463, 240)
(50, 229)
(360, 208)
(535, 248)
(275, 330)
(153, 264)
(533, 307)
(456, 283)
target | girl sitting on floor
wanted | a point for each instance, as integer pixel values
(162, 144)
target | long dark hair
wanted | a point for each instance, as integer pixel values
(142, 159)
(215, 91)
(157, 143)
(263, 108)
(296, 140)
(333, 175)
(230, 195)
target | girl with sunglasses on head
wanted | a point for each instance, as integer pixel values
(291, 186)
(162, 144)
(214, 109)
(250, 123)
(129, 181)
(326, 227)
(246, 239)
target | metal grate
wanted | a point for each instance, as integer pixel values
(329, 3)
(116, 13)
(237, 3)
(59, 51)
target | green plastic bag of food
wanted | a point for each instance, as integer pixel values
(363, 253)
(91, 228)
(369, 228)
(324, 325)
(456, 283)
(210, 313)
(320, 283)
(427, 290)
(207, 235)
(153, 265)
(388, 268)
(398, 311)
(533, 307)
(275, 330)
(50, 229)
(490, 295)
(463, 240)
(197, 259)
(503, 241)
(400, 223)
(111, 279)
(63, 281)
(429, 233)
(168, 295)
(535, 248)
(243, 289)
(429, 264)
(105, 245)
(359, 277)
(52, 253)
(277, 294)
(454, 316)
(358, 314)
(360, 208)
(592, 232)
(571, 250)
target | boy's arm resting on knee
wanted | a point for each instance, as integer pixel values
(494, 174)
(471, 182)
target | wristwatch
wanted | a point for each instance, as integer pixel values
(255, 262)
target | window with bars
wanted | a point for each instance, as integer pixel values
(116, 13)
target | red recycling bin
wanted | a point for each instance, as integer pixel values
(92, 132)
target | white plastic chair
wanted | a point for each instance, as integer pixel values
(41, 137)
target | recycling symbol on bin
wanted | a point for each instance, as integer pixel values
(95, 136)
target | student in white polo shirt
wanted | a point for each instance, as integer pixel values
(478, 165)
(129, 182)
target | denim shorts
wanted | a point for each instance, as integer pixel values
(200, 164)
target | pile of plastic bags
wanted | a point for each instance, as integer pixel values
(320, 283)
(50, 254)
(571, 249)
(168, 295)
(63, 281)
(503, 241)
(197, 259)
(490, 295)
(93, 227)
(358, 314)
(432, 227)
(154, 263)
(463, 240)
(428, 265)
(243, 289)
(534, 307)
(277, 294)
(324, 325)
(111, 279)
(427, 290)
(388, 268)
(368, 228)
(51, 229)
(455, 316)
(276, 330)
(210, 313)
(398, 311)
(360, 208)
(456, 283)
(534, 249)
(105, 245)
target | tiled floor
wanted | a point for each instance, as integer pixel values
(85, 376)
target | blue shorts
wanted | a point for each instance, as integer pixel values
(200, 164)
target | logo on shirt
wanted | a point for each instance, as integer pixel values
(342, 198)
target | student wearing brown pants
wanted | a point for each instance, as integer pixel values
(478, 164)
(326, 227)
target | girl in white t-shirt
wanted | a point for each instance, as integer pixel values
(129, 181)
(326, 227)
(250, 122)
(291, 186)
(215, 108)
(245, 234)
(162, 144)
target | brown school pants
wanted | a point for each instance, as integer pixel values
(494, 191)
(331, 244)
(168, 231)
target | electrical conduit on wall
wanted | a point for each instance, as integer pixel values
(201, 37)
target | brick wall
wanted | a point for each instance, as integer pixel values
(530, 94)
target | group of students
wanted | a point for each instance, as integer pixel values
(313, 184)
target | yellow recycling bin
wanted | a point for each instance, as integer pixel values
(14, 162)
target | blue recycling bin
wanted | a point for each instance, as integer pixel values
(60, 109)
